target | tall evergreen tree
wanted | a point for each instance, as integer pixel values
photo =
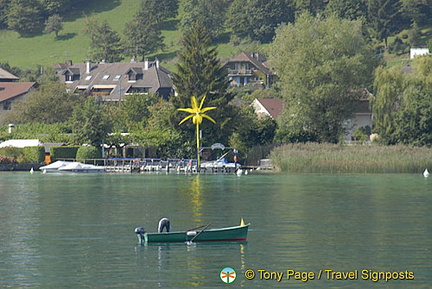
(105, 42)
(385, 18)
(143, 34)
(313, 7)
(199, 71)
(352, 10)
(160, 9)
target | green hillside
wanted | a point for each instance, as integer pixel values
(72, 44)
(28, 52)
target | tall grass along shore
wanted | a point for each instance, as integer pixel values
(329, 158)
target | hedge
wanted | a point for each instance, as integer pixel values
(63, 152)
(34, 154)
(88, 152)
(24, 155)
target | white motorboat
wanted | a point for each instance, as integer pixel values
(71, 167)
(53, 167)
(77, 167)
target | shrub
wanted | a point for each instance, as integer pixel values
(63, 152)
(88, 152)
(7, 160)
(34, 154)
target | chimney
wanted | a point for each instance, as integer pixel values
(69, 62)
(11, 127)
(146, 64)
(88, 66)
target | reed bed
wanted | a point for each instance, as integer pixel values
(329, 158)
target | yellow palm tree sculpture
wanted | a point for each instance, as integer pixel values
(197, 115)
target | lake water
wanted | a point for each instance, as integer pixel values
(326, 231)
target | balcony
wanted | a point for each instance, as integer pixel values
(240, 72)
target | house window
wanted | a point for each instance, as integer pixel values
(69, 77)
(117, 77)
(102, 91)
(105, 77)
(88, 77)
(132, 77)
(7, 105)
(138, 90)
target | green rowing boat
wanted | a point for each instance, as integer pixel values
(236, 233)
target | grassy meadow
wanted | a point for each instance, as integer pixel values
(72, 44)
(329, 158)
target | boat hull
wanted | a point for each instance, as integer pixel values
(237, 233)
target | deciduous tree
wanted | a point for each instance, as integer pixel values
(90, 123)
(211, 14)
(24, 16)
(402, 105)
(49, 103)
(53, 24)
(321, 63)
(258, 19)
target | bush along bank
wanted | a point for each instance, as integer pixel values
(329, 158)
(21, 159)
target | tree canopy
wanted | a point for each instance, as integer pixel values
(90, 123)
(199, 71)
(143, 34)
(402, 105)
(258, 19)
(321, 62)
(105, 42)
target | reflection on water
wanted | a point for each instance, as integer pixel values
(77, 231)
(196, 199)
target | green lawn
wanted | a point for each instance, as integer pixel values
(27, 52)
(46, 50)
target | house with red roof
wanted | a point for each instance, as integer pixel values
(268, 107)
(12, 91)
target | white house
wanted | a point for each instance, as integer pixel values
(418, 52)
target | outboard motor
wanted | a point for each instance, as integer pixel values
(164, 223)
(140, 234)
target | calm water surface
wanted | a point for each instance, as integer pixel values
(76, 231)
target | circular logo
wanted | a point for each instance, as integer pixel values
(228, 275)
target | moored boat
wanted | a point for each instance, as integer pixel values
(71, 167)
(200, 234)
(77, 167)
(53, 167)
